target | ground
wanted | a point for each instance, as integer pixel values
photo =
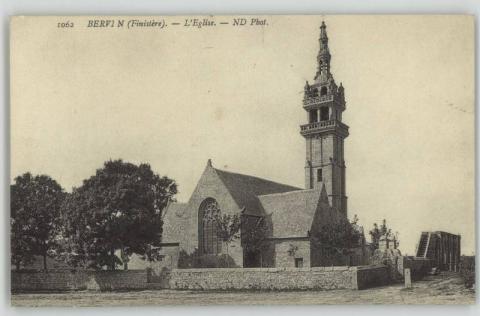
(442, 289)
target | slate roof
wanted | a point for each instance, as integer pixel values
(292, 213)
(174, 222)
(246, 189)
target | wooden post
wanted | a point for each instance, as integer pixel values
(408, 278)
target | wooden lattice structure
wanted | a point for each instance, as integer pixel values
(442, 248)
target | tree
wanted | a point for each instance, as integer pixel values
(119, 208)
(228, 227)
(35, 210)
(254, 234)
(376, 232)
(355, 220)
(338, 237)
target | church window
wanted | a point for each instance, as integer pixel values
(313, 116)
(209, 243)
(319, 175)
(324, 113)
(298, 262)
(323, 91)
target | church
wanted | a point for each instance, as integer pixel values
(291, 214)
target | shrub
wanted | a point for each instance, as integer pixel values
(186, 260)
(214, 261)
(193, 260)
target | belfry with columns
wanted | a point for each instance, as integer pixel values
(324, 103)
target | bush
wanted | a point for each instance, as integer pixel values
(185, 260)
(214, 261)
(467, 270)
(193, 260)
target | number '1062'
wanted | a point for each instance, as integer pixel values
(65, 24)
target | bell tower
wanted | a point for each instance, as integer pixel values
(324, 103)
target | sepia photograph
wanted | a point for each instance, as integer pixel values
(252, 160)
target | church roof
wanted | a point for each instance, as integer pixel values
(246, 189)
(291, 213)
(174, 223)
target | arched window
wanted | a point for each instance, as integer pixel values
(313, 116)
(324, 113)
(323, 91)
(208, 241)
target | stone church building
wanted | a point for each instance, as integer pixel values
(292, 214)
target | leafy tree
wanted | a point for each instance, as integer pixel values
(376, 232)
(255, 231)
(337, 238)
(35, 210)
(355, 220)
(22, 253)
(119, 208)
(228, 227)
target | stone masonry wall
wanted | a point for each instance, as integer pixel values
(26, 281)
(419, 267)
(286, 251)
(324, 278)
(371, 276)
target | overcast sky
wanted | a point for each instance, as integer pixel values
(178, 96)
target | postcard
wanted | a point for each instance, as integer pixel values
(167, 160)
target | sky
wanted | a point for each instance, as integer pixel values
(178, 96)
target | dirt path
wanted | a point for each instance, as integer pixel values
(444, 289)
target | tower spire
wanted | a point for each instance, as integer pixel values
(324, 132)
(323, 57)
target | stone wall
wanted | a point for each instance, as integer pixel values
(324, 278)
(32, 281)
(419, 267)
(371, 276)
(290, 250)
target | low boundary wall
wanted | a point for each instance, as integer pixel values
(321, 278)
(38, 281)
(419, 267)
(372, 276)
